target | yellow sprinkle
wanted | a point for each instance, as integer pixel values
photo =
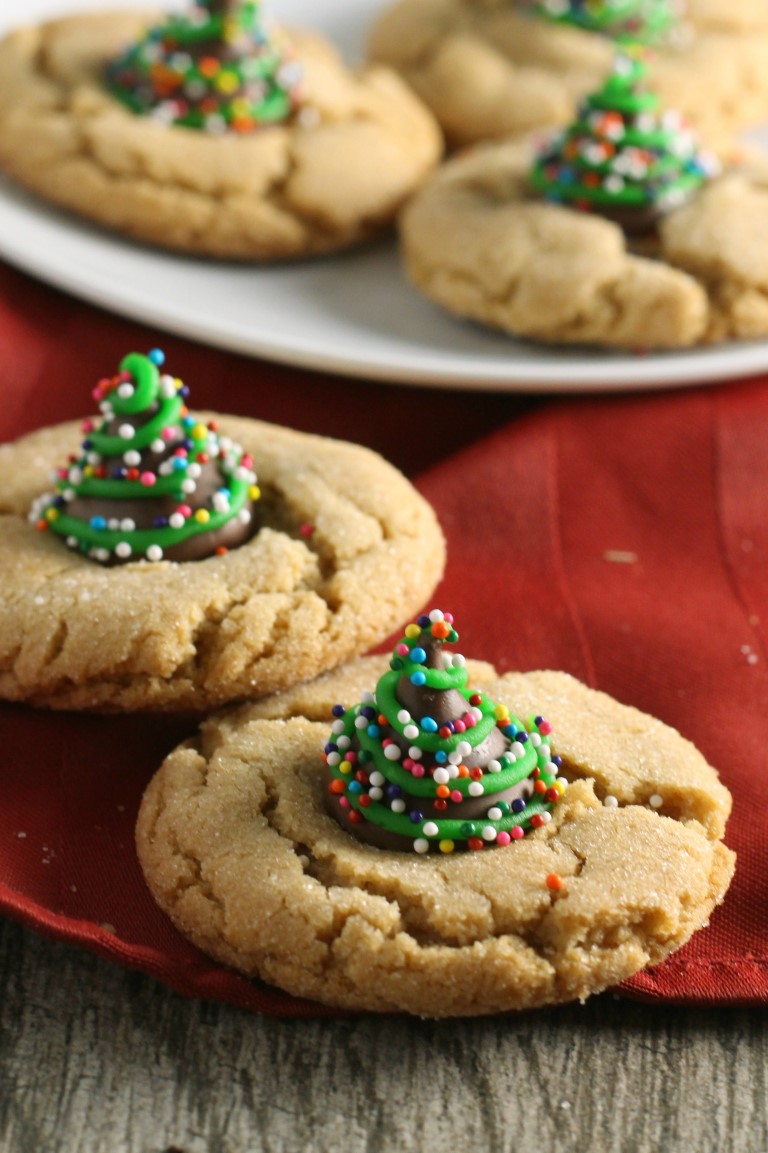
(254, 492)
(501, 712)
(447, 846)
(202, 516)
(412, 630)
(88, 470)
(345, 767)
(560, 787)
(199, 432)
(51, 514)
(227, 82)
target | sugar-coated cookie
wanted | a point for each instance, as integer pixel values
(189, 158)
(179, 560)
(490, 70)
(619, 231)
(242, 849)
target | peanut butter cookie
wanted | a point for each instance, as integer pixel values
(240, 849)
(189, 560)
(490, 70)
(321, 159)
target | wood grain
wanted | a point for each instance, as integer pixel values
(95, 1059)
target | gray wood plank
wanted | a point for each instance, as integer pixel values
(100, 1060)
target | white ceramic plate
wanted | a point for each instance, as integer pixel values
(353, 314)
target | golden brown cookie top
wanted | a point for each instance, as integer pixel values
(238, 848)
(552, 273)
(324, 179)
(345, 548)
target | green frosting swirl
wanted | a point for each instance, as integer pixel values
(623, 154)
(637, 20)
(370, 776)
(146, 457)
(216, 68)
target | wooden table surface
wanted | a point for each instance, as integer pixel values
(96, 1059)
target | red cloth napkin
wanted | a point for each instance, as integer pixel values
(623, 539)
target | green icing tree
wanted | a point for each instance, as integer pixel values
(152, 480)
(214, 68)
(410, 771)
(624, 156)
(642, 20)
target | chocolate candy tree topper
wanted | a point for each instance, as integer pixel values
(624, 157)
(427, 763)
(152, 481)
(217, 68)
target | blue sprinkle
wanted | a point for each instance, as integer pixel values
(423, 621)
(338, 710)
(428, 724)
(98, 522)
(373, 730)
(418, 678)
(157, 356)
(392, 792)
(522, 737)
(354, 787)
(416, 816)
(418, 656)
(331, 747)
(518, 806)
(441, 757)
(557, 761)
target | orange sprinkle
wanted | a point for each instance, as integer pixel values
(555, 882)
(209, 66)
